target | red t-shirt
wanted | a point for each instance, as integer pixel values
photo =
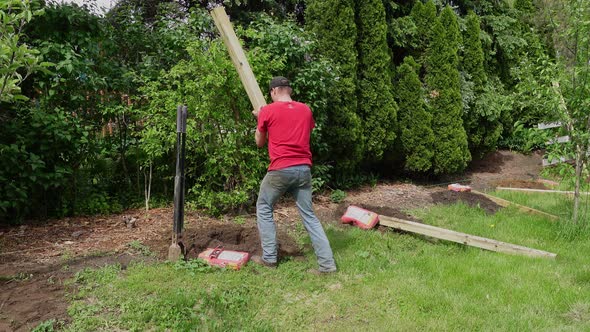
(289, 125)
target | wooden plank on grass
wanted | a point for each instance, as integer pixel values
(542, 191)
(457, 237)
(238, 57)
(504, 203)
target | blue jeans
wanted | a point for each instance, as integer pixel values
(297, 181)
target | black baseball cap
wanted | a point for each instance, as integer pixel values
(278, 81)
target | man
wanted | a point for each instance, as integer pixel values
(288, 125)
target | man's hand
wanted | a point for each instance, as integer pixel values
(260, 138)
(256, 112)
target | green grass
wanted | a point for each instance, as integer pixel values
(387, 281)
(556, 204)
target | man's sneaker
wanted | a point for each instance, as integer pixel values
(320, 272)
(258, 260)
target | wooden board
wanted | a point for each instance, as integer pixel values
(546, 161)
(238, 57)
(549, 125)
(560, 139)
(466, 239)
(504, 203)
(542, 191)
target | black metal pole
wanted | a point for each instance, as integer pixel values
(181, 115)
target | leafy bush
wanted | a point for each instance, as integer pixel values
(39, 151)
(224, 166)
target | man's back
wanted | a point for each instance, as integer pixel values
(289, 125)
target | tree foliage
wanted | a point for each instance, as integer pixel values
(483, 113)
(415, 120)
(473, 59)
(451, 153)
(570, 89)
(333, 23)
(98, 128)
(377, 108)
(423, 16)
(17, 59)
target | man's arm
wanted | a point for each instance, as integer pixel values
(260, 138)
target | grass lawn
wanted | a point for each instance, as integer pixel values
(387, 281)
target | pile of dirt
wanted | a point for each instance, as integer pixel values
(235, 237)
(448, 197)
(521, 184)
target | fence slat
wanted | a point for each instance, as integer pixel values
(549, 125)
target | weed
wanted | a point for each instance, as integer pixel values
(46, 326)
(67, 255)
(140, 248)
(50, 280)
(337, 196)
(239, 220)
(21, 276)
(193, 266)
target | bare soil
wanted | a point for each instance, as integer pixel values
(229, 236)
(36, 258)
(504, 165)
(29, 298)
(448, 197)
(521, 184)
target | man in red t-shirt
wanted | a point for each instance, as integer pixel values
(287, 125)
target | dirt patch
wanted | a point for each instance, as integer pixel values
(400, 196)
(448, 197)
(501, 165)
(31, 296)
(235, 237)
(491, 162)
(521, 184)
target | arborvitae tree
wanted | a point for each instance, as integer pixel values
(473, 59)
(423, 16)
(451, 153)
(333, 22)
(377, 107)
(525, 6)
(482, 119)
(415, 121)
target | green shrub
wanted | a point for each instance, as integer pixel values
(483, 113)
(415, 120)
(38, 152)
(451, 153)
(423, 15)
(333, 23)
(377, 107)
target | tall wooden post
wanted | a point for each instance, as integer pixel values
(238, 57)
